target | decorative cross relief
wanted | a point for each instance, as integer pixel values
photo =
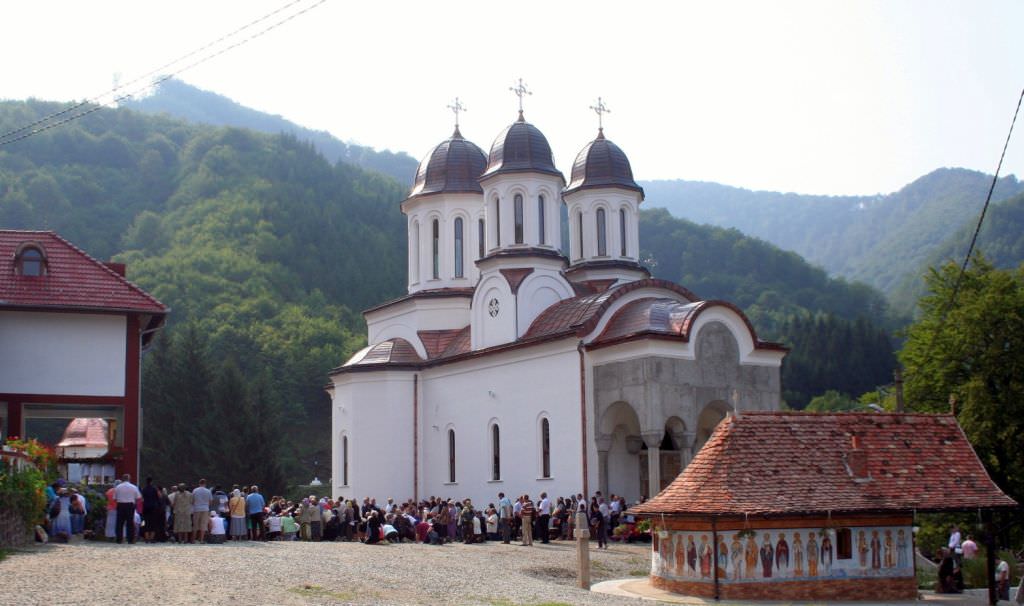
(493, 307)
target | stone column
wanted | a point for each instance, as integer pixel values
(604, 444)
(653, 441)
(582, 550)
(686, 440)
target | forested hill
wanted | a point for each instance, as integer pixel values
(178, 99)
(880, 240)
(266, 252)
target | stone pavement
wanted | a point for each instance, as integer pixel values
(642, 589)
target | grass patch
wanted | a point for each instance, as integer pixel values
(3, 554)
(316, 591)
(638, 572)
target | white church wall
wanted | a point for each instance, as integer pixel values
(405, 319)
(374, 410)
(517, 389)
(72, 354)
(493, 313)
(539, 291)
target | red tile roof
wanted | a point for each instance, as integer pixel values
(85, 433)
(778, 463)
(73, 279)
(437, 341)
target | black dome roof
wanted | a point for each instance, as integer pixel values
(520, 148)
(601, 164)
(453, 166)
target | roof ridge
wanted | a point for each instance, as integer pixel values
(113, 273)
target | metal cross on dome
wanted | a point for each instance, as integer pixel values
(520, 91)
(600, 109)
(457, 107)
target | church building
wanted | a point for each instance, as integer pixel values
(509, 366)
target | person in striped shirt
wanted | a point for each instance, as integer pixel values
(527, 514)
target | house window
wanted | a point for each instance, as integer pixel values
(436, 244)
(481, 235)
(495, 452)
(451, 455)
(602, 234)
(517, 207)
(579, 235)
(30, 261)
(458, 247)
(540, 220)
(844, 544)
(622, 232)
(545, 449)
(344, 460)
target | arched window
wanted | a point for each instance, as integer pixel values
(495, 452)
(435, 239)
(579, 236)
(30, 261)
(344, 460)
(458, 247)
(517, 208)
(481, 235)
(414, 249)
(622, 232)
(602, 234)
(497, 221)
(451, 455)
(540, 219)
(545, 448)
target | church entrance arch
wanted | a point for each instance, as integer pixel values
(619, 446)
(710, 416)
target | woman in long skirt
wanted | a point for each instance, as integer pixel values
(236, 509)
(108, 530)
(61, 525)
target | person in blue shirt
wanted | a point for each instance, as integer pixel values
(254, 505)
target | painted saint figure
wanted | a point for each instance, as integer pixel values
(678, 548)
(705, 557)
(751, 557)
(782, 555)
(691, 557)
(862, 550)
(723, 558)
(901, 550)
(888, 559)
(812, 554)
(736, 555)
(826, 555)
(876, 550)
(767, 556)
(798, 555)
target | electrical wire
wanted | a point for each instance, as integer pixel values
(8, 138)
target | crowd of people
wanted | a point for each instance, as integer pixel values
(204, 514)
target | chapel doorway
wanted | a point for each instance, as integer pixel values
(670, 463)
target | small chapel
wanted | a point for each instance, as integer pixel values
(518, 363)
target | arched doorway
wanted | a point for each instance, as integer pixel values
(619, 447)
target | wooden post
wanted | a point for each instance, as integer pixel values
(990, 557)
(582, 550)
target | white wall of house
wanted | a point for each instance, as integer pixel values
(62, 353)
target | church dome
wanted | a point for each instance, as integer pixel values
(520, 148)
(601, 164)
(453, 166)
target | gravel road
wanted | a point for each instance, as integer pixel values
(490, 574)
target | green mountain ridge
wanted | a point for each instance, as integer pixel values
(266, 252)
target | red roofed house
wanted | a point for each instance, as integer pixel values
(800, 506)
(72, 332)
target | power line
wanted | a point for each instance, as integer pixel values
(6, 139)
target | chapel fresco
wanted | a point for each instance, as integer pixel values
(779, 553)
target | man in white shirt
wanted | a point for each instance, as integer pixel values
(954, 544)
(201, 498)
(126, 494)
(544, 518)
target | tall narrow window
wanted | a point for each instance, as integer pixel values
(517, 207)
(344, 461)
(622, 232)
(497, 221)
(545, 448)
(436, 243)
(451, 455)
(415, 250)
(602, 234)
(458, 247)
(540, 220)
(481, 235)
(579, 236)
(495, 453)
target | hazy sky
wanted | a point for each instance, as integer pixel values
(813, 97)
